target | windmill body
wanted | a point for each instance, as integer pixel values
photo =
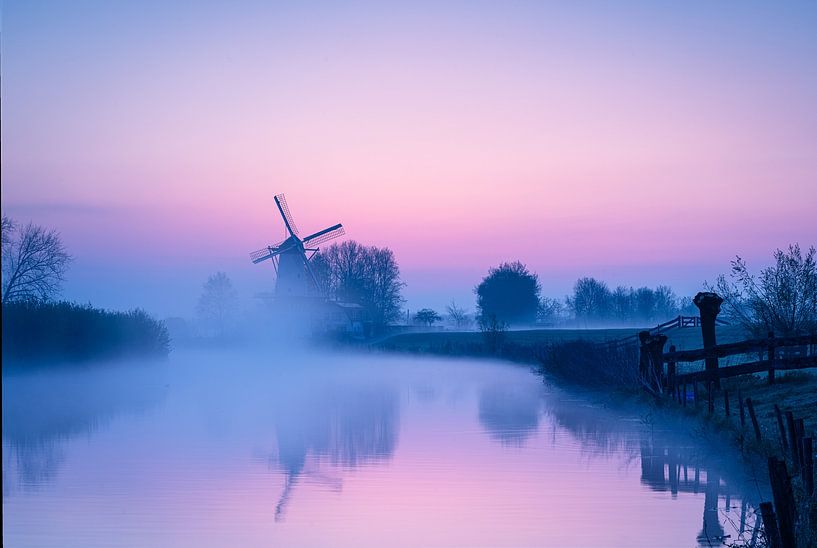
(291, 257)
(293, 277)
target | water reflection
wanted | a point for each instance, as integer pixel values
(44, 409)
(669, 463)
(348, 425)
(244, 450)
(510, 412)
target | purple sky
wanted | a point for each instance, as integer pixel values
(642, 144)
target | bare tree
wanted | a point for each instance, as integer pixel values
(218, 302)
(783, 298)
(458, 315)
(34, 261)
(367, 275)
(590, 300)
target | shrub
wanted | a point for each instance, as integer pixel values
(63, 331)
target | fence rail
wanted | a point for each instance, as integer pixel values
(742, 347)
(789, 364)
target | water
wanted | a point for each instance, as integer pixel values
(254, 450)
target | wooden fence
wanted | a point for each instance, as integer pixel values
(780, 516)
(782, 353)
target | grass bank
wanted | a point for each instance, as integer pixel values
(526, 345)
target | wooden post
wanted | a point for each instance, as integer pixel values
(742, 410)
(795, 454)
(671, 371)
(783, 500)
(656, 347)
(643, 354)
(800, 426)
(695, 393)
(770, 356)
(726, 402)
(709, 305)
(783, 442)
(770, 525)
(685, 394)
(753, 417)
(808, 466)
(710, 397)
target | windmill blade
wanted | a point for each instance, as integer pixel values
(262, 254)
(270, 251)
(324, 235)
(281, 202)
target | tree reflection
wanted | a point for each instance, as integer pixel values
(510, 412)
(43, 410)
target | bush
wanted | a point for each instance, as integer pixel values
(592, 364)
(63, 331)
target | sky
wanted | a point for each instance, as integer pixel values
(643, 143)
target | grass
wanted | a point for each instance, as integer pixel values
(521, 344)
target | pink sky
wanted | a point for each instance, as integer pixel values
(642, 146)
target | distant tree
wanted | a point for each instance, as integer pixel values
(687, 307)
(366, 275)
(644, 304)
(622, 304)
(426, 316)
(493, 331)
(383, 287)
(34, 261)
(590, 301)
(218, 302)
(782, 298)
(458, 315)
(509, 294)
(667, 304)
(551, 311)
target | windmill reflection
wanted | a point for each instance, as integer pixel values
(343, 426)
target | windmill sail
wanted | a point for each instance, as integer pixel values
(324, 235)
(281, 202)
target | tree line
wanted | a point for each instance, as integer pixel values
(35, 327)
(781, 298)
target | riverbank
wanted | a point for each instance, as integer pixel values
(571, 357)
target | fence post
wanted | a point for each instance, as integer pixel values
(710, 397)
(726, 402)
(643, 354)
(685, 394)
(742, 410)
(801, 433)
(753, 417)
(783, 500)
(770, 525)
(770, 356)
(652, 359)
(808, 466)
(709, 305)
(795, 454)
(671, 371)
(782, 429)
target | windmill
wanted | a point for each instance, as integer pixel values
(291, 256)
